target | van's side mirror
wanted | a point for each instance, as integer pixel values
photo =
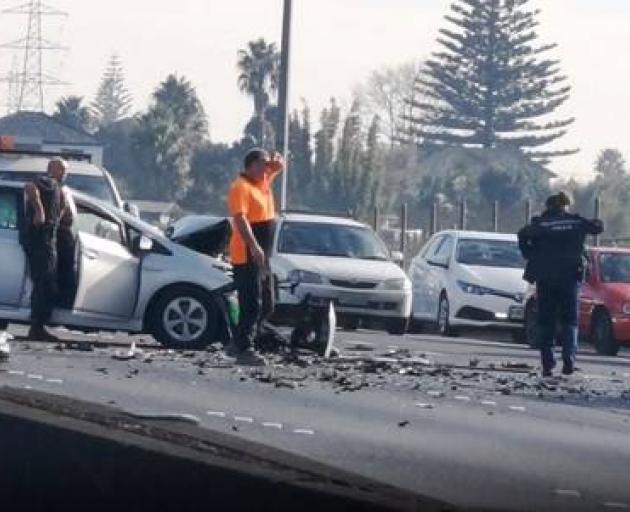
(398, 257)
(143, 244)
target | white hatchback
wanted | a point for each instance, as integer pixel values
(469, 279)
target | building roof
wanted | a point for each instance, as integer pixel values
(42, 126)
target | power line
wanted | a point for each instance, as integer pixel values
(29, 81)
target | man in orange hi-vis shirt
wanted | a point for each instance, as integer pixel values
(251, 206)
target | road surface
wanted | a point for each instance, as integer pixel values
(463, 420)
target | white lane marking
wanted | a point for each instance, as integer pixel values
(217, 414)
(34, 376)
(55, 381)
(305, 431)
(569, 493)
(518, 408)
(424, 406)
(26, 386)
(615, 505)
(435, 393)
(462, 398)
(16, 372)
(270, 424)
(244, 419)
(489, 402)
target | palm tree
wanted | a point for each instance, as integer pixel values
(258, 77)
(71, 112)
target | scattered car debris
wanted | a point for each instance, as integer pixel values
(403, 423)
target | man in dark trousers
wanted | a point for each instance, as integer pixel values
(45, 207)
(251, 206)
(553, 245)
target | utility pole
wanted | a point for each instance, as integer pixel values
(283, 96)
(29, 81)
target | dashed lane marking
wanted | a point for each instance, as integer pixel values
(55, 381)
(216, 414)
(16, 372)
(462, 398)
(270, 424)
(616, 506)
(491, 403)
(244, 419)
(35, 376)
(568, 493)
(518, 408)
(305, 431)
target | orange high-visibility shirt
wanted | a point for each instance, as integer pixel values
(256, 203)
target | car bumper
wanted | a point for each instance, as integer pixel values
(487, 312)
(357, 303)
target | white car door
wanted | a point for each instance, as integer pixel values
(437, 275)
(108, 273)
(13, 267)
(420, 272)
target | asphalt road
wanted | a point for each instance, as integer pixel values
(469, 423)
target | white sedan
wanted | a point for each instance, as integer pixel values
(469, 279)
(129, 276)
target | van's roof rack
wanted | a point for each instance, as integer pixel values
(67, 155)
(347, 214)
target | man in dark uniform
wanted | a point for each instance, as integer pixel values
(251, 206)
(45, 207)
(553, 245)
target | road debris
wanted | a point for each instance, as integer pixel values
(403, 423)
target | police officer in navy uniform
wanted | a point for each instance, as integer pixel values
(45, 209)
(553, 246)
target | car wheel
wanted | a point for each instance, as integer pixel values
(443, 317)
(602, 334)
(530, 328)
(398, 326)
(184, 317)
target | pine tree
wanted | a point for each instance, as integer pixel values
(113, 101)
(491, 83)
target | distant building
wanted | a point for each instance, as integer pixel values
(41, 132)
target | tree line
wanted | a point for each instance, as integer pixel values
(475, 120)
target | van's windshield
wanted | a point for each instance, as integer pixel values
(95, 186)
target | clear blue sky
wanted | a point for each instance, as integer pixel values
(336, 44)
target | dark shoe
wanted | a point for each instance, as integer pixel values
(547, 372)
(37, 333)
(249, 357)
(567, 369)
(231, 349)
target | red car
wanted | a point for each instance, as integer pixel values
(604, 302)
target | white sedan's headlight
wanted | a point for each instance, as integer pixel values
(474, 289)
(626, 308)
(305, 277)
(399, 283)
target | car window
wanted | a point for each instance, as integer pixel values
(335, 240)
(614, 268)
(489, 253)
(8, 210)
(443, 251)
(87, 221)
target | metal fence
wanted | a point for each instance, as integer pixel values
(407, 232)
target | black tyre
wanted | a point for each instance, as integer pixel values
(443, 320)
(184, 317)
(398, 326)
(603, 335)
(530, 329)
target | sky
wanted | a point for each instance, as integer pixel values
(335, 45)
